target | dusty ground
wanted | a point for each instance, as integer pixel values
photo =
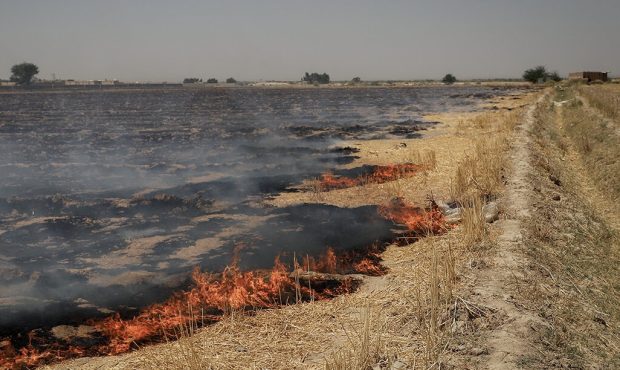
(553, 273)
(428, 311)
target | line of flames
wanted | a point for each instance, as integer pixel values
(380, 175)
(213, 296)
(418, 221)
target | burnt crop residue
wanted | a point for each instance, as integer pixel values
(108, 200)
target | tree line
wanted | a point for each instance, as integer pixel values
(193, 80)
(23, 74)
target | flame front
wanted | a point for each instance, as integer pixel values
(380, 175)
(419, 221)
(211, 298)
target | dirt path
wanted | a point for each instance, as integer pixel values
(508, 342)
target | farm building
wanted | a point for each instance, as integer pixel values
(588, 76)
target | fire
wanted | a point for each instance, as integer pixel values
(393, 172)
(418, 221)
(211, 297)
(325, 263)
(369, 266)
(208, 300)
(329, 181)
(380, 175)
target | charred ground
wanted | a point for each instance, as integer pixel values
(109, 199)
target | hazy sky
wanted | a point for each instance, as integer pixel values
(280, 39)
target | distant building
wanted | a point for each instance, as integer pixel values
(7, 83)
(109, 82)
(588, 76)
(79, 82)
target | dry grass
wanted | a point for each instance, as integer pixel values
(364, 346)
(473, 222)
(188, 353)
(573, 283)
(427, 158)
(481, 172)
(489, 122)
(316, 190)
(604, 98)
(596, 140)
(395, 319)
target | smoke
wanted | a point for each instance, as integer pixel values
(107, 199)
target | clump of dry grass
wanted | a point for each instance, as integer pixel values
(603, 98)
(432, 328)
(426, 158)
(482, 121)
(188, 353)
(480, 173)
(395, 189)
(316, 188)
(479, 177)
(473, 222)
(364, 346)
(489, 122)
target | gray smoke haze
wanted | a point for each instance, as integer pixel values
(109, 198)
(280, 39)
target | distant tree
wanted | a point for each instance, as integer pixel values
(448, 79)
(554, 76)
(23, 73)
(540, 73)
(356, 80)
(231, 80)
(212, 81)
(535, 74)
(191, 80)
(321, 78)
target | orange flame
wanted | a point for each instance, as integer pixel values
(327, 262)
(207, 301)
(417, 220)
(393, 172)
(380, 175)
(211, 297)
(329, 181)
(368, 266)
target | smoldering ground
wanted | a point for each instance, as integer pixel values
(108, 199)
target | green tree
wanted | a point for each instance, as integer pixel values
(448, 79)
(554, 76)
(535, 74)
(23, 73)
(191, 80)
(321, 78)
(231, 80)
(540, 73)
(212, 81)
(356, 80)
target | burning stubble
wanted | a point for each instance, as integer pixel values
(141, 186)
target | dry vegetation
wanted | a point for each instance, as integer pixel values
(573, 247)
(605, 98)
(596, 139)
(413, 317)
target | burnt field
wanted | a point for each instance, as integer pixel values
(108, 199)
